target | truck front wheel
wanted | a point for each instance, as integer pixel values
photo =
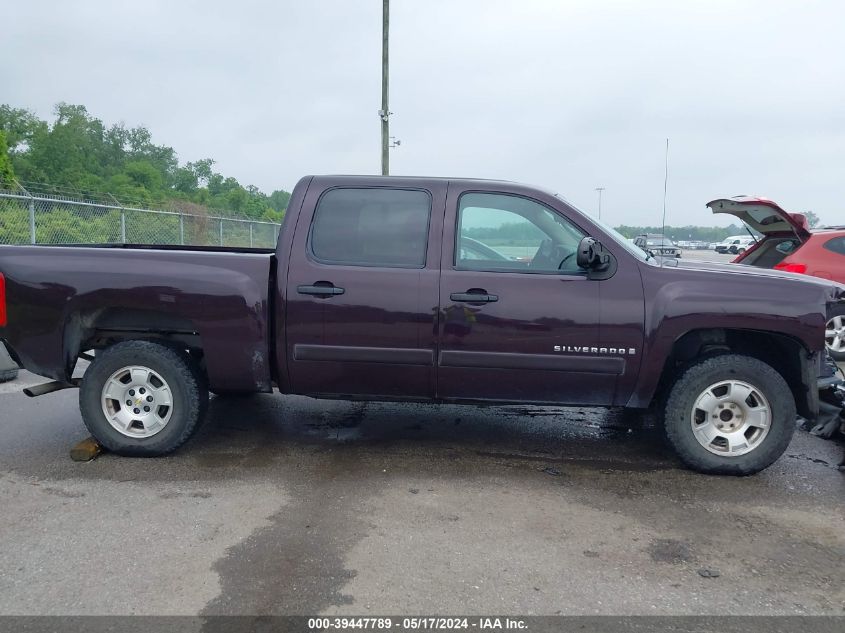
(730, 415)
(141, 398)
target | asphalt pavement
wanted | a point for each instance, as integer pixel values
(287, 505)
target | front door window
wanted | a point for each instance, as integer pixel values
(498, 232)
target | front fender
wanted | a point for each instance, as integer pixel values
(680, 301)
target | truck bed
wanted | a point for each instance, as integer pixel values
(66, 299)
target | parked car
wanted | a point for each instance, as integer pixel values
(657, 245)
(725, 244)
(736, 244)
(367, 296)
(790, 245)
(8, 367)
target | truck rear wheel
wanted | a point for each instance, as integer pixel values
(141, 398)
(730, 415)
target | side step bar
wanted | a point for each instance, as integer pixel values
(50, 387)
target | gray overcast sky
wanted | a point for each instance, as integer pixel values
(568, 94)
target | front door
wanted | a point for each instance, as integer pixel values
(362, 290)
(520, 321)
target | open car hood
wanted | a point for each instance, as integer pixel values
(762, 215)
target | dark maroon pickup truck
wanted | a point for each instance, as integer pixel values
(423, 289)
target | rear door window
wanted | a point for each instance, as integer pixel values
(371, 227)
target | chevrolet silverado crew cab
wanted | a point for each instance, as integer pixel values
(427, 290)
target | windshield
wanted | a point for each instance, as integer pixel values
(620, 239)
(615, 235)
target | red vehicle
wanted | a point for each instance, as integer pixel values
(790, 245)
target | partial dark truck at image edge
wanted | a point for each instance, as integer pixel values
(428, 290)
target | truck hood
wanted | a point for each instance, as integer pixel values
(762, 215)
(752, 272)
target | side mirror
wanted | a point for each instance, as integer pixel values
(592, 257)
(591, 254)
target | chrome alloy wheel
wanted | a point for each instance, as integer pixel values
(731, 418)
(137, 402)
(834, 334)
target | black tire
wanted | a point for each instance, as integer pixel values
(695, 380)
(186, 382)
(834, 311)
(8, 374)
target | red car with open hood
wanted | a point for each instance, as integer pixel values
(790, 245)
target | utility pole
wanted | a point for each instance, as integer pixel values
(384, 113)
(600, 189)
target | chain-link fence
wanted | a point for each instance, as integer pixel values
(44, 219)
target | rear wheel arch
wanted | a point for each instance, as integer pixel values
(101, 329)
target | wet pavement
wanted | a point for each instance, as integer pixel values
(287, 505)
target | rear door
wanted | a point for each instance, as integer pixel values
(362, 288)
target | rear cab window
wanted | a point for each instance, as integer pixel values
(371, 227)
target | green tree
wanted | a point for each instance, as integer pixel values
(144, 174)
(7, 172)
(812, 219)
(202, 169)
(20, 127)
(278, 200)
(185, 180)
(693, 233)
(77, 154)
